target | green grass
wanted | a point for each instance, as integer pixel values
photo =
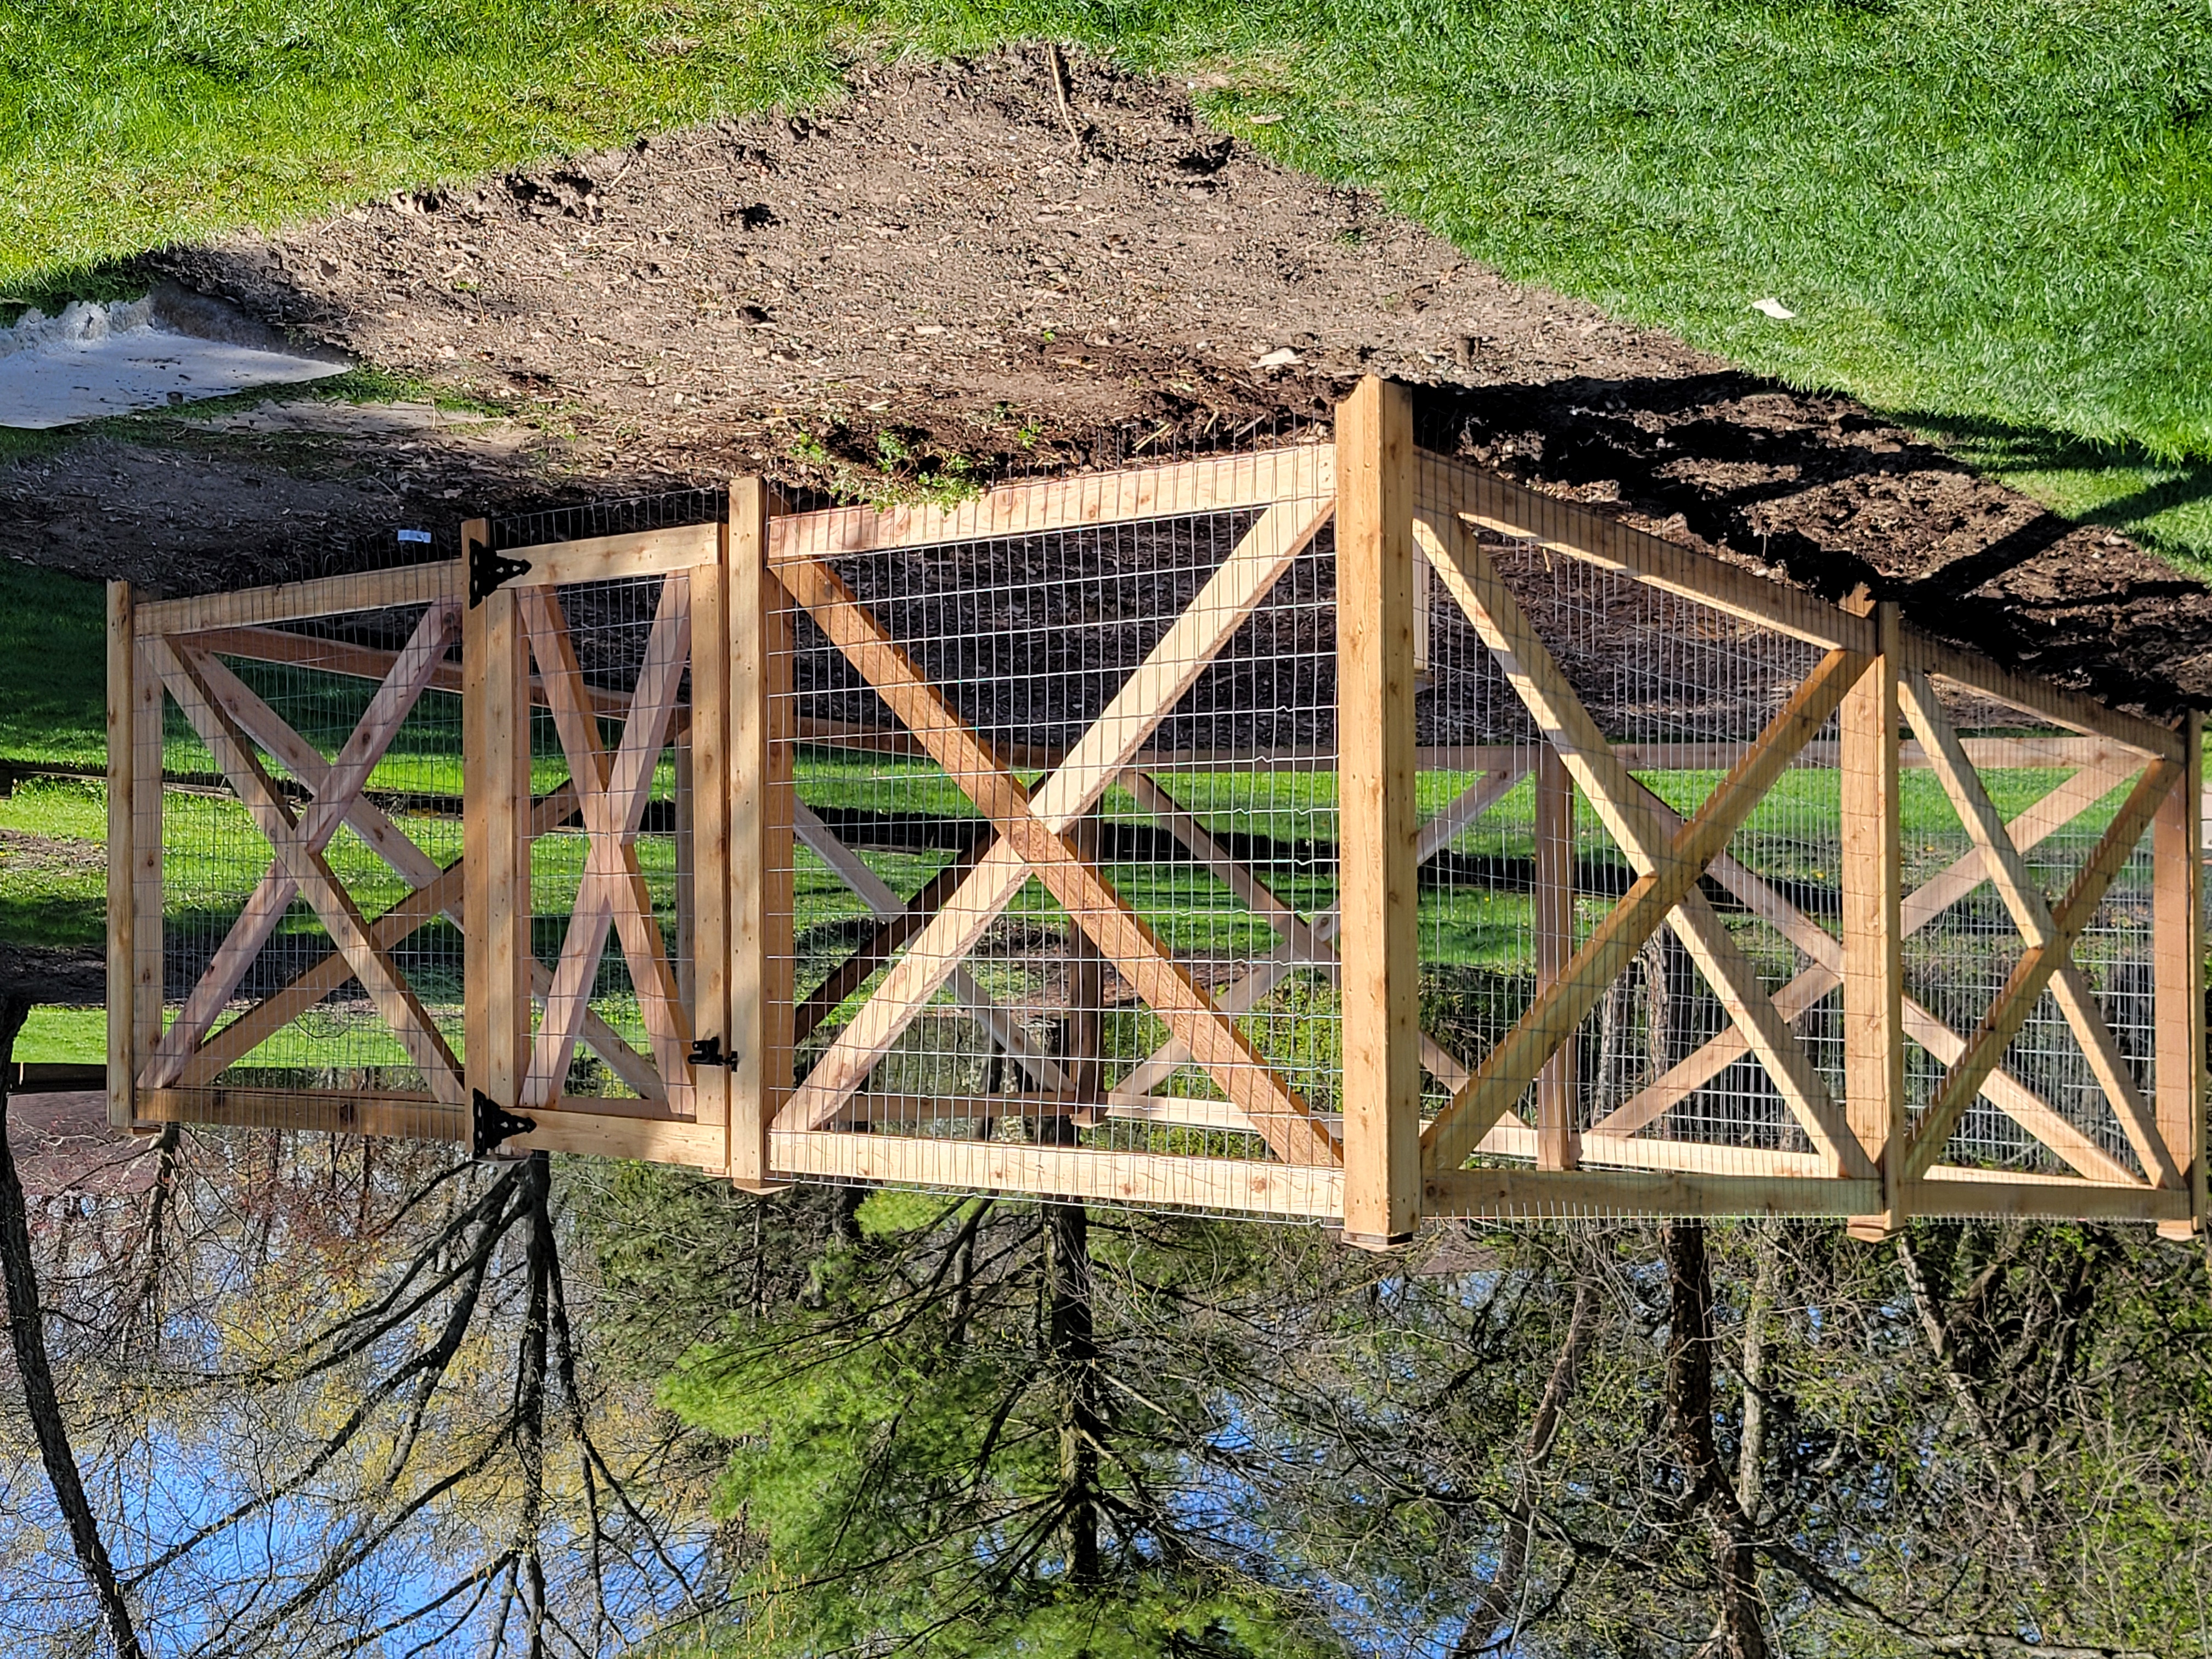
(54, 668)
(63, 1037)
(53, 888)
(52, 892)
(1993, 221)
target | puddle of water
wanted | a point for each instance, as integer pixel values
(98, 359)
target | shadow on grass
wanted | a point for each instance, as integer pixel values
(2163, 504)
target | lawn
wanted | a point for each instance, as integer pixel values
(53, 669)
(1992, 221)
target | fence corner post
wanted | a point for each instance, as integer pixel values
(760, 792)
(495, 903)
(1377, 815)
(2177, 993)
(1873, 940)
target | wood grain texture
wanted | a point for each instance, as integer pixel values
(495, 900)
(761, 806)
(2178, 955)
(1872, 883)
(1071, 1172)
(1376, 816)
(1216, 484)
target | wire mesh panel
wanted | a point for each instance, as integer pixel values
(1064, 852)
(1520, 867)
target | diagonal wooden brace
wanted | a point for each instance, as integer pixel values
(886, 903)
(336, 786)
(611, 791)
(1305, 945)
(394, 999)
(1795, 1000)
(2031, 914)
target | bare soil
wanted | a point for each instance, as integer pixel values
(948, 272)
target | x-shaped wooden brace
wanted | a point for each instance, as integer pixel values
(1304, 944)
(612, 790)
(1669, 868)
(434, 892)
(1032, 837)
(1797, 998)
(335, 786)
(2031, 914)
(2052, 936)
(299, 849)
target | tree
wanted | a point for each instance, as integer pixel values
(998, 1428)
(26, 1334)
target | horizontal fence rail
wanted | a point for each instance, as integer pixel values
(1331, 832)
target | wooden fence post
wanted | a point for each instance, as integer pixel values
(126, 929)
(760, 884)
(2177, 996)
(495, 903)
(1559, 1139)
(1873, 962)
(703, 828)
(1377, 819)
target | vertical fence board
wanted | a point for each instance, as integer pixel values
(149, 706)
(495, 841)
(2177, 953)
(1377, 815)
(703, 887)
(123, 1056)
(1558, 1137)
(1873, 962)
(760, 990)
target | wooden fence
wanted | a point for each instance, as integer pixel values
(796, 846)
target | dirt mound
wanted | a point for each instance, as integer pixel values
(940, 280)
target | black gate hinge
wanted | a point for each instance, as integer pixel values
(707, 1051)
(488, 571)
(493, 1123)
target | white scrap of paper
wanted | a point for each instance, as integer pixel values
(1770, 306)
(1278, 358)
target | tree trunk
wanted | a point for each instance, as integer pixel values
(529, 1391)
(1740, 1634)
(1070, 1342)
(27, 1330)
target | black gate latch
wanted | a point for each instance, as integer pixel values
(488, 571)
(707, 1051)
(493, 1123)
